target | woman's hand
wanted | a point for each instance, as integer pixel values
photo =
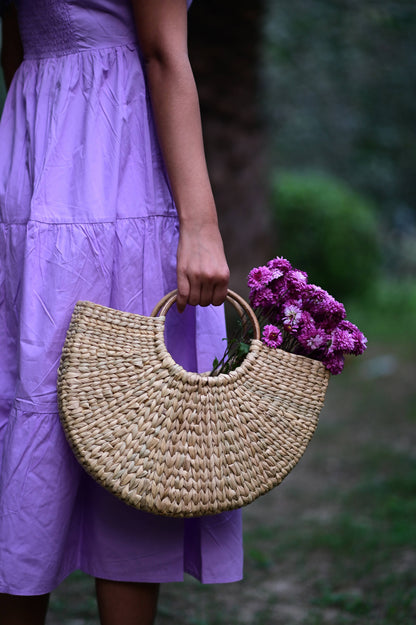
(202, 269)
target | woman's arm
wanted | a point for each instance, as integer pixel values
(12, 49)
(202, 269)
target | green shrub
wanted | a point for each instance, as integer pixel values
(328, 230)
(388, 313)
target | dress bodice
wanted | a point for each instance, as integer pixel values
(59, 27)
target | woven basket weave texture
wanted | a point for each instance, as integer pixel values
(177, 443)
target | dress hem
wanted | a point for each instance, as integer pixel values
(144, 579)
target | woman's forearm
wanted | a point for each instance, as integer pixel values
(202, 270)
(176, 108)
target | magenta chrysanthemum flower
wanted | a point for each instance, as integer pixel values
(272, 336)
(334, 363)
(334, 310)
(292, 315)
(309, 336)
(259, 277)
(279, 288)
(279, 263)
(306, 320)
(347, 325)
(276, 274)
(262, 298)
(306, 325)
(295, 275)
(296, 282)
(314, 294)
(316, 341)
(343, 340)
(325, 308)
(360, 341)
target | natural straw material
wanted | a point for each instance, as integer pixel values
(177, 443)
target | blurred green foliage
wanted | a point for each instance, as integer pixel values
(338, 84)
(327, 230)
(388, 313)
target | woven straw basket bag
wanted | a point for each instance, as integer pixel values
(177, 443)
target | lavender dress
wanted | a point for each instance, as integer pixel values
(85, 213)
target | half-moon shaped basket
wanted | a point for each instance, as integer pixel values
(177, 443)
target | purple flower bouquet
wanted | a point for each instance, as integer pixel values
(302, 318)
(297, 317)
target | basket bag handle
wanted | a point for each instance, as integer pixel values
(236, 300)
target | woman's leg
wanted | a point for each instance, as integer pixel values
(17, 610)
(126, 603)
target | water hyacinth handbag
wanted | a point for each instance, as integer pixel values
(177, 443)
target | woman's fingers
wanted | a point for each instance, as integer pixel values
(183, 291)
(200, 294)
(220, 293)
(195, 292)
(206, 294)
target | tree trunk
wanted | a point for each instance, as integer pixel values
(224, 40)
